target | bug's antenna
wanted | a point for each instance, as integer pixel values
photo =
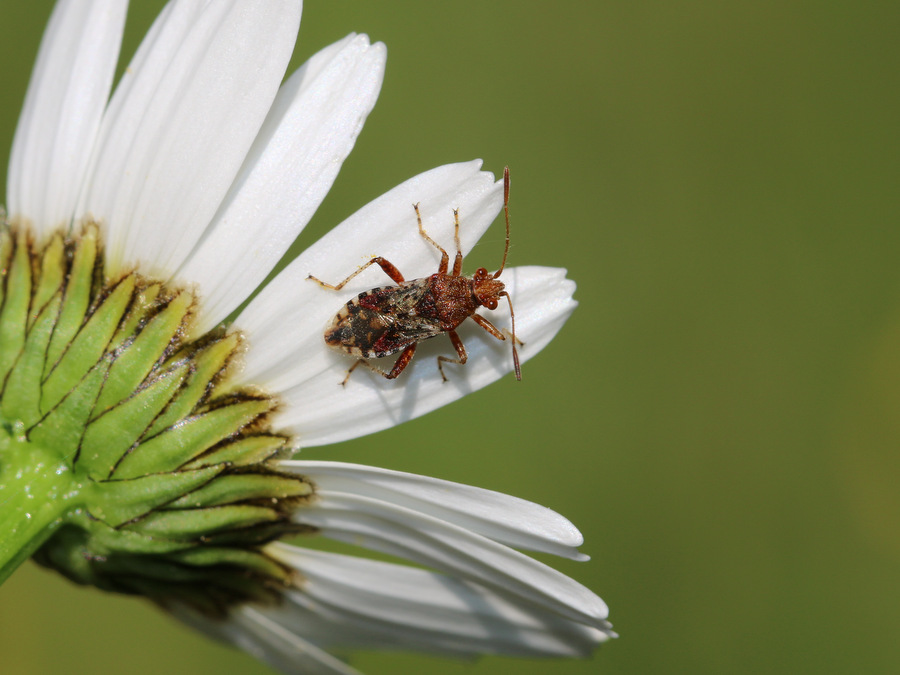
(506, 213)
(512, 320)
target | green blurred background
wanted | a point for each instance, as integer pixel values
(720, 416)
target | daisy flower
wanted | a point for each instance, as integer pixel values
(146, 435)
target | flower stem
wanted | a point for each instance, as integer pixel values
(38, 490)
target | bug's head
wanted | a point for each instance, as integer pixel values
(487, 289)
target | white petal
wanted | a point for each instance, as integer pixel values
(320, 411)
(391, 529)
(66, 97)
(348, 602)
(310, 130)
(251, 629)
(181, 123)
(508, 520)
(284, 322)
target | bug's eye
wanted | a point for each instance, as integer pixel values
(490, 304)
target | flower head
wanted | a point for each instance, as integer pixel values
(145, 440)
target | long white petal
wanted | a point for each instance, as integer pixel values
(284, 323)
(310, 130)
(181, 123)
(252, 630)
(66, 97)
(388, 528)
(348, 602)
(320, 411)
(503, 518)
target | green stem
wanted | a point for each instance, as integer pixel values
(38, 491)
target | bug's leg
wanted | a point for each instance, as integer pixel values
(488, 326)
(385, 265)
(445, 259)
(351, 369)
(497, 333)
(402, 361)
(492, 329)
(458, 261)
(460, 351)
(399, 365)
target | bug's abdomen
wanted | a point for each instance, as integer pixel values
(379, 322)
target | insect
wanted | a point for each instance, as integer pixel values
(390, 319)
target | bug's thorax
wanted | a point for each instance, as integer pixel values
(454, 299)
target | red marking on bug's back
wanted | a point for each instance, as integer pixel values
(387, 320)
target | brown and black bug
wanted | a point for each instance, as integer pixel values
(391, 319)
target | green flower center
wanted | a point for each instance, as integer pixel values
(127, 458)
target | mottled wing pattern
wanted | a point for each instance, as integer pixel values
(383, 321)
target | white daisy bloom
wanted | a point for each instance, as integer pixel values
(138, 221)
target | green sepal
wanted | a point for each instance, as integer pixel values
(221, 567)
(88, 345)
(221, 589)
(259, 535)
(64, 426)
(106, 538)
(243, 488)
(14, 315)
(191, 524)
(116, 502)
(25, 377)
(136, 360)
(53, 272)
(144, 301)
(243, 452)
(210, 557)
(6, 250)
(165, 577)
(78, 294)
(111, 435)
(161, 568)
(205, 366)
(171, 449)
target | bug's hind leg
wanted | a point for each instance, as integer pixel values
(399, 365)
(384, 264)
(460, 352)
(351, 369)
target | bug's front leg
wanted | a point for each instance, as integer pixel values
(492, 329)
(460, 352)
(399, 365)
(488, 326)
(384, 264)
(497, 333)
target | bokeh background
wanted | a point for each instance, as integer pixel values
(721, 416)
